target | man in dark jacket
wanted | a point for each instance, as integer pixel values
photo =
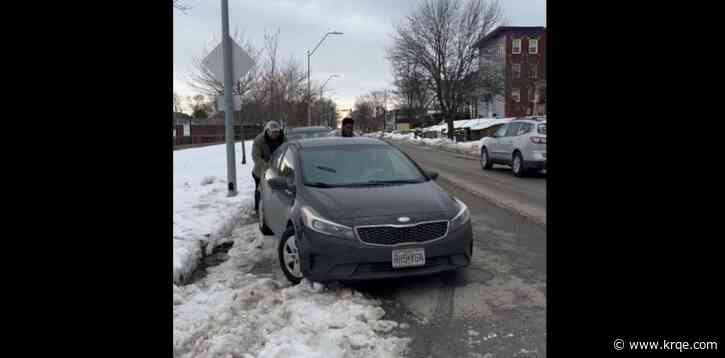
(347, 128)
(264, 145)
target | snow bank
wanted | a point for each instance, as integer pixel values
(470, 148)
(238, 314)
(202, 210)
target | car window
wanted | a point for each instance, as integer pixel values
(501, 131)
(542, 128)
(286, 165)
(513, 128)
(525, 128)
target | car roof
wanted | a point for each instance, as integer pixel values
(306, 129)
(336, 142)
(532, 121)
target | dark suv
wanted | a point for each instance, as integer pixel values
(359, 208)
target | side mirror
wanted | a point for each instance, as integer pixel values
(277, 183)
(433, 175)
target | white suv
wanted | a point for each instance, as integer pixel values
(519, 143)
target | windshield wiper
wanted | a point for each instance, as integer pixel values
(400, 181)
(387, 182)
(327, 169)
(322, 185)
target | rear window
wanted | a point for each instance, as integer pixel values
(542, 128)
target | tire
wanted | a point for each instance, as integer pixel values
(289, 258)
(262, 224)
(517, 165)
(487, 164)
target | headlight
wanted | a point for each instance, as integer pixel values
(461, 218)
(315, 222)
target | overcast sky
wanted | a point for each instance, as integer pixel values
(357, 56)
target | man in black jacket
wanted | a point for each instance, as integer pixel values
(262, 148)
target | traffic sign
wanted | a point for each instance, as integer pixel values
(241, 62)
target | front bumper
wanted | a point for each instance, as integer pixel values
(326, 258)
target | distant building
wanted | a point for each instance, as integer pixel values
(521, 53)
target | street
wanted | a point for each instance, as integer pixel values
(525, 196)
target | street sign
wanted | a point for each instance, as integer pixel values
(241, 62)
(220, 106)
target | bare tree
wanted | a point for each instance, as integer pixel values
(413, 92)
(440, 36)
(176, 103)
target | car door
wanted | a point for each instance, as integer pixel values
(265, 190)
(281, 200)
(494, 144)
(506, 144)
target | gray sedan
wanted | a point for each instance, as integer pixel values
(359, 208)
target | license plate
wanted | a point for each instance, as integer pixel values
(408, 258)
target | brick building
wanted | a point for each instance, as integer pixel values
(520, 51)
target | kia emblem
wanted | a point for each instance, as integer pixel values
(403, 219)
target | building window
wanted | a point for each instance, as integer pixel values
(516, 68)
(534, 71)
(533, 46)
(516, 46)
(530, 97)
(516, 94)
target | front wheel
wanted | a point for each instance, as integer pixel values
(518, 165)
(290, 259)
(486, 162)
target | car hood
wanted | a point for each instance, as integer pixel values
(420, 201)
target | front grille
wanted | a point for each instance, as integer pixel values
(391, 235)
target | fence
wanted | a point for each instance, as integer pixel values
(211, 133)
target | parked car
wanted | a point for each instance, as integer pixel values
(520, 144)
(307, 132)
(359, 208)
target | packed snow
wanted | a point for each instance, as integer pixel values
(233, 312)
(202, 211)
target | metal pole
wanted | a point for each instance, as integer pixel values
(228, 100)
(241, 129)
(309, 93)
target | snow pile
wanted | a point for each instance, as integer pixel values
(395, 136)
(202, 210)
(233, 313)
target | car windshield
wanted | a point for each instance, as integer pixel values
(542, 128)
(357, 166)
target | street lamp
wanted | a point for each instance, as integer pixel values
(309, 89)
(322, 90)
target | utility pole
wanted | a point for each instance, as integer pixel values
(228, 100)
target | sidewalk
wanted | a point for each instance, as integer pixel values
(203, 215)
